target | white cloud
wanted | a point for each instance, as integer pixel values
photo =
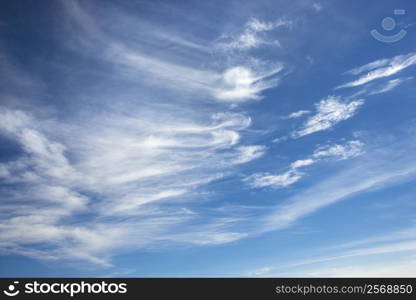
(134, 165)
(390, 85)
(258, 26)
(242, 83)
(374, 170)
(340, 152)
(251, 36)
(285, 179)
(12, 120)
(360, 258)
(280, 139)
(260, 272)
(329, 112)
(122, 176)
(298, 114)
(392, 268)
(388, 260)
(381, 69)
(260, 180)
(348, 150)
(130, 203)
(129, 169)
(302, 163)
(370, 66)
(210, 237)
(249, 153)
(408, 233)
(317, 6)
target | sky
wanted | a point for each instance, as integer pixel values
(261, 138)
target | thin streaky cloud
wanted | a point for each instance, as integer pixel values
(238, 83)
(369, 67)
(252, 36)
(374, 247)
(134, 179)
(341, 151)
(390, 85)
(381, 69)
(298, 114)
(344, 151)
(361, 176)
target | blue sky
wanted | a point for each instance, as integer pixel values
(203, 138)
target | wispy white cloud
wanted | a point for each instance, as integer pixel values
(260, 272)
(151, 165)
(351, 259)
(347, 150)
(302, 163)
(317, 6)
(298, 114)
(134, 166)
(380, 87)
(390, 85)
(130, 174)
(381, 69)
(407, 233)
(285, 179)
(251, 36)
(365, 173)
(403, 267)
(280, 139)
(237, 83)
(329, 112)
(249, 153)
(369, 67)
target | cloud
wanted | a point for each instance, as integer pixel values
(260, 272)
(241, 83)
(128, 173)
(210, 237)
(380, 69)
(376, 169)
(125, 164)
(370, 66)
(260, 180)
(356, 258)
(317, 6)
(348, 150)
(249, 153)
(339, 152)
(236, 83)
(280, 139)
(302, 163)
(381, 87)
(329, 112)
(133, 178)
(298, 114)
(251, 36)
(393, 268)
(390, 85)
(129, 204)
(407, 233)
